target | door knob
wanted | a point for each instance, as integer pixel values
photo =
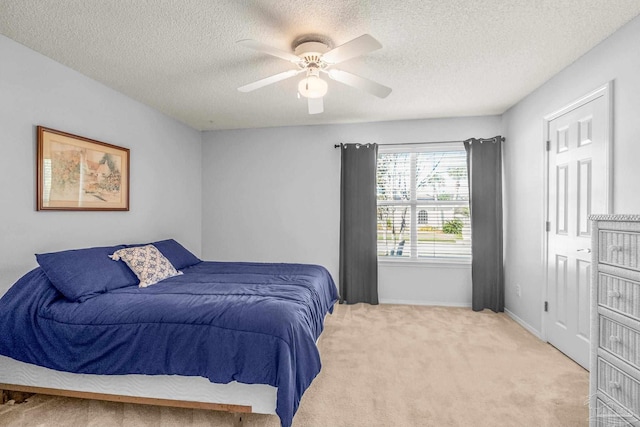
(587, 250)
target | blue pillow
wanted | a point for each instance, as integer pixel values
(80, 274)
(177, 254)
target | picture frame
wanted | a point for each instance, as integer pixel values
(75, 173)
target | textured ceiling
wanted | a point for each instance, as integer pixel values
(442, 58)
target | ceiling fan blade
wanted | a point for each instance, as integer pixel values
(316, 105)
(356, 47)
(261, 47)
(269, 80)
(361, 83)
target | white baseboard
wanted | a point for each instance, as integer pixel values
(414, 302)
(524, 324)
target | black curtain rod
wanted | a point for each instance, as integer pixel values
(481, 140)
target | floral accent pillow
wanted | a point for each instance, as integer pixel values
(147, 263)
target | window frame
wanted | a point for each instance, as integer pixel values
(413, 203)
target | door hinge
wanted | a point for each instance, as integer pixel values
(548, 145)
(547, 226)
(546, 306)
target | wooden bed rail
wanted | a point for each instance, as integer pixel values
(242, 409)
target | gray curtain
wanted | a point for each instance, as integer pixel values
(358, 233)
(484, 163)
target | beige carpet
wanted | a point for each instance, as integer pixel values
(388, 365)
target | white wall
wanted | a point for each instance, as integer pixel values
(618, 59)
(165, 163)
(273, 195)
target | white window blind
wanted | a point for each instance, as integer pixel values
(423, 202)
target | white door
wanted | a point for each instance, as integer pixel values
(578, 185)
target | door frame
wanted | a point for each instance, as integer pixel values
(605, 91)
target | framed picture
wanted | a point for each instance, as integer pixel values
(80, 174)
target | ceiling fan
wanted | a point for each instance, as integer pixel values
(313, 57)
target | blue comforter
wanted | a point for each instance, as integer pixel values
(249, 322)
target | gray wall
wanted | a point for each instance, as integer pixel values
(273, 195)
(618, 59)
(165, 163)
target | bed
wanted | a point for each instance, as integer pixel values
(229, 336)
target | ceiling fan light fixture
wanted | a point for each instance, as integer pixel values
(312, 87)
(313, 56)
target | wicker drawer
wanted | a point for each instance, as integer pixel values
(619, 248)
(620, 387)
(619, 294)
(607, 417)
(620, 340)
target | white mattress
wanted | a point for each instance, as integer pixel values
(261, 398)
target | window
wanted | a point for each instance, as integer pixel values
(423, 202)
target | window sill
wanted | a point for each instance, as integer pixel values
(426, 263)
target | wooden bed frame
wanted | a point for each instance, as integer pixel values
(124, 399)
(160, 390)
